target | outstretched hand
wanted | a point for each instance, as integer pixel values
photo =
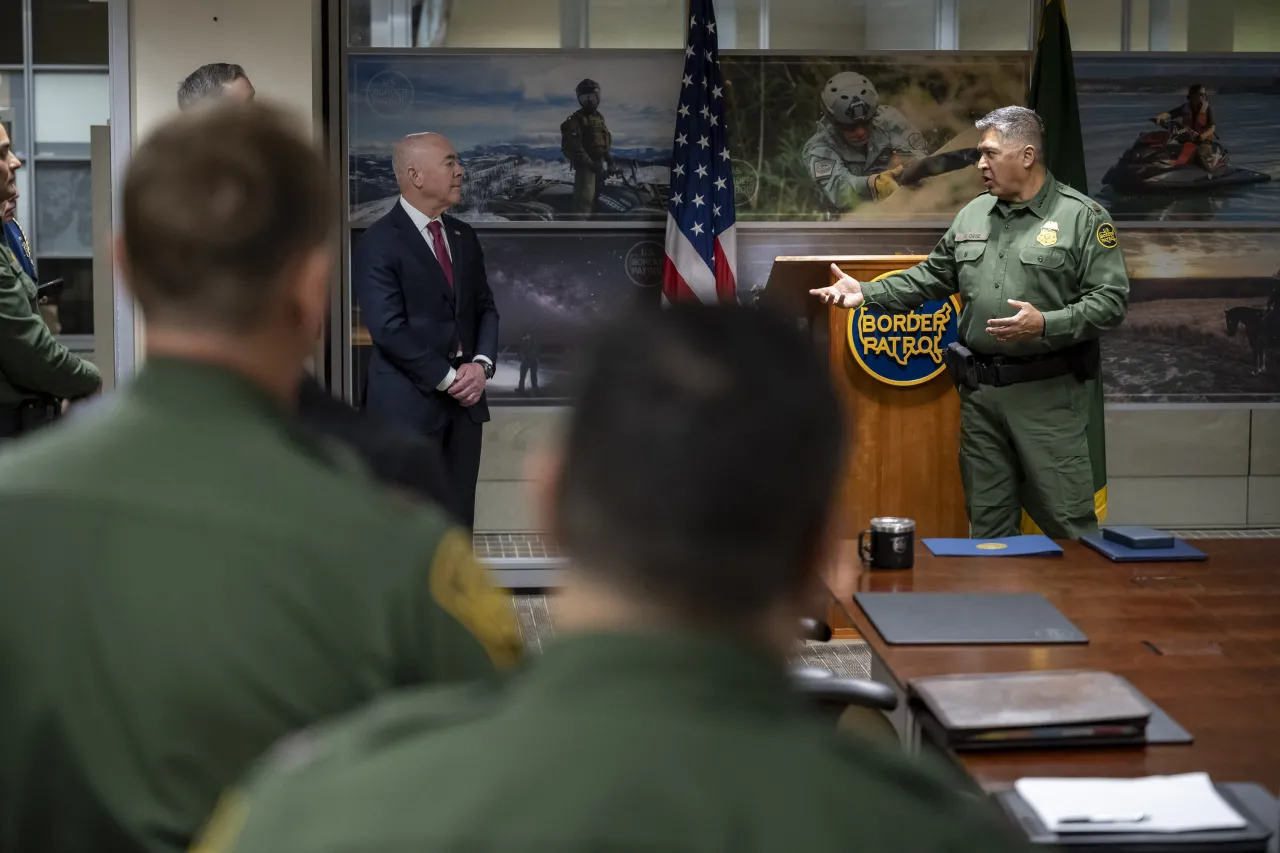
(1027, 323)
(846, 292)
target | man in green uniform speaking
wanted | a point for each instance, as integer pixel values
(1040, 273)
(36, 372)
(662, 718)
(189, 574)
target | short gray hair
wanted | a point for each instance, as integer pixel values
(405, 149)
(1018, 125)
(208, 81)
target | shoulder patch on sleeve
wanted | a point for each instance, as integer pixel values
(916, 140)
(223, 829)
(822, 167)
(1107, 236)
(461, 586)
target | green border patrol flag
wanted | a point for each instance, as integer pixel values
(1053, 97)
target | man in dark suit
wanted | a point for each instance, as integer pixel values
(397, 457)
(408, 463)
(420, 281)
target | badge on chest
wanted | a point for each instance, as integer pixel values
(1048, 235)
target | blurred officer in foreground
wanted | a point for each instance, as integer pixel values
(36, 372)
(397, 457)
(215, 577)
(663, 716)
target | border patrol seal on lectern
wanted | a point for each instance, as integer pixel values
(904, 349)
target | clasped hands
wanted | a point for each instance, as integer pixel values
(846, 292)
(468, 384)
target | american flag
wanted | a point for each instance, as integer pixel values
(702, 250)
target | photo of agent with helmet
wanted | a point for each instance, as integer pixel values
(861, 145)
(883, 137)
(545, 138)
(585, 141)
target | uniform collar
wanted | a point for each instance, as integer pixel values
(1037, 204)
(205, 390)
(667, 668)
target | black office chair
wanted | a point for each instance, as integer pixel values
(834, 694)
(815, 629)
(831, 693)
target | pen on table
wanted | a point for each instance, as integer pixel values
(1135, 818)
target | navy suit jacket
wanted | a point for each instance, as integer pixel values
(413, 316)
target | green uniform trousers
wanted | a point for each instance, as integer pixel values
(1025, 446)
(586, 186)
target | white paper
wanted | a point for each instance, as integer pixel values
(1185, 803)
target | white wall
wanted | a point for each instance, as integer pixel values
(993, 24)
(1094, 24)
(641, 23)
(504, 23)
(273, 39)
(835, 25)
(1257, 25)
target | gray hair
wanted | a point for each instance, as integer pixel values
(405, 149)
(1018, 125)
(208, 81)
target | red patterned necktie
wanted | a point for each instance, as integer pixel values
(442, 251)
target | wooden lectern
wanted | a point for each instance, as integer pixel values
(903, 458)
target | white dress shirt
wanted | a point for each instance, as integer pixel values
(421, 221)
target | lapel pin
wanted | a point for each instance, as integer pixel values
(457, 233)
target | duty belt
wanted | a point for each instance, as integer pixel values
(26, 416)
(1000, 370)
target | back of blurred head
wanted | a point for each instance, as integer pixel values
(225, 240)
(695, 483)
(215, 81)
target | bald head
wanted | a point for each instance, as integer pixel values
(428, 172)
(411, 147)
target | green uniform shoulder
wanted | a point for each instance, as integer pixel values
(381, 728)
(1094, 209)
(918, 787)
(575, 121)
(973, 216)
(302, 771)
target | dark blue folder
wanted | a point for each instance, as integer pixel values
(1138, 537)
(1010, 546)
(1179, 553)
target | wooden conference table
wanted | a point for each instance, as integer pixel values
(1201, 640)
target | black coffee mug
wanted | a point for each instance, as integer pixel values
(892, 543)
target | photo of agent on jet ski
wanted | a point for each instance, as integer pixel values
(1184, 156)
(1195, 122)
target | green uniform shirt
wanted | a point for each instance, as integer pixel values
(32, 362)
(1057, 251)
(188, 577)
(609, 743)
(585, 140)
